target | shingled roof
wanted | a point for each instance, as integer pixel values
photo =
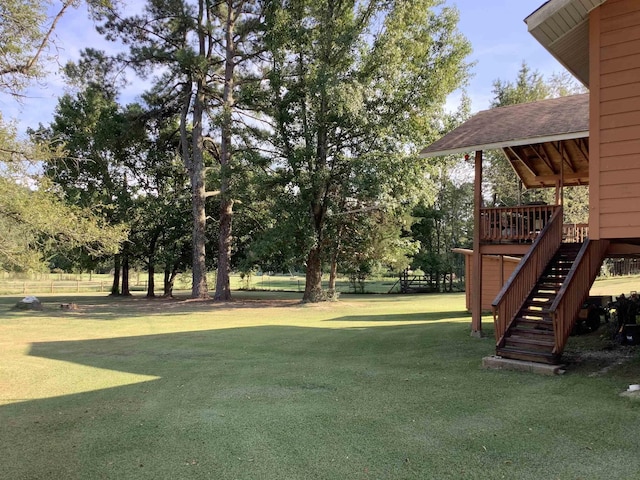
(523, 124)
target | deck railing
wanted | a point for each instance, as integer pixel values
(519, 224)
(575, 290)
(516, 290)
(575, 232)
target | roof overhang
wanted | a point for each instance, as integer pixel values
(506, 144)
(562, 27)
(545, 141)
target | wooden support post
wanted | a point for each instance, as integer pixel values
(476, 294)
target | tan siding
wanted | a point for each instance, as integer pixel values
(627, 147)
(621, 232)
(467, 279)
(618, 8)
(620, 49)
(613, 107)
(620, 78)
(490, 281)
(616, 205)
(619, 92)
(620, 134)
(620, 21)
(620, 120)
(620, 177)
(623, 162)
(491, 284)
(615, 220)
(594, 123)
(620, 63)
(618, 192)
(619, 36)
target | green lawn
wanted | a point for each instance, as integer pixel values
(371, 387)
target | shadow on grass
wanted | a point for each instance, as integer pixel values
(405, 317)
(285, 402)
(158, 354)
(258, 402)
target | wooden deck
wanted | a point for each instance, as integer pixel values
(522, 224)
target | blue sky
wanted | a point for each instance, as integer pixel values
(500, 43)
(495, 28)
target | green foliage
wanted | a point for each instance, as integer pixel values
(445, 224)
(356, 87)
(26, 39)
(20, 37)
(34, 223)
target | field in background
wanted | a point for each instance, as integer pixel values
(101, 283)
(39, 284)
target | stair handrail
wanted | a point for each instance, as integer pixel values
(525, 276)
(575, 289)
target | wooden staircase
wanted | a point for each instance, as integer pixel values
(530, 335)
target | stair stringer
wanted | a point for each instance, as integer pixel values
(523, 280)
(530, 335)
(575, 290)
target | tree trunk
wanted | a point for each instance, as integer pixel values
(195, 164)
(313, 286)
(333, 274)
(223, 289)
(115, 286)
(125, 275)
(151, 283)
(151, 267)
(169, 279)
(199, 286)
(333, 271)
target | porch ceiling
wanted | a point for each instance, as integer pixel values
(542, 140)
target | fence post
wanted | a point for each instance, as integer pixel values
(24, 288)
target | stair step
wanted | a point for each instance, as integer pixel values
(539, 324)
(554, 286)
(530, 343)
(533, 312)
(537, 332)
(527, 356)
(542, 294)
(552, 280)
(538, 303)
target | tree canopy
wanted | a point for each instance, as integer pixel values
(35, 220)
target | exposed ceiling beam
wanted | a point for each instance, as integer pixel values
(519, 157)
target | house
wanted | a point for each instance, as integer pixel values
(591, 139)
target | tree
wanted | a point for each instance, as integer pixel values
(31, 211)
(35, 223)
(25, 33)
(355, 87)
(103, 144)
(210, 50)
(445, 224)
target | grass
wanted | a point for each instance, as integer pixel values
(371, 387)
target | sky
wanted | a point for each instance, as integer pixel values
(495, 28)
